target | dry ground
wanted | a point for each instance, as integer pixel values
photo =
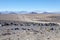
(17, 32)
(31, 17)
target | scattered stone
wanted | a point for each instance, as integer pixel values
(52, 29)
(48, 38)
(16, 28)
(28, 29)
(4, 34)
(23, 28)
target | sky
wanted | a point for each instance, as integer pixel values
(30, 5)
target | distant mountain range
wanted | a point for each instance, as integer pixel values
(25, 12)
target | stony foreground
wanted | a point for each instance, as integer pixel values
(15, 31)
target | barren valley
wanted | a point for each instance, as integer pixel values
(29, 26)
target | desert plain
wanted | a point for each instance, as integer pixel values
(29, 26)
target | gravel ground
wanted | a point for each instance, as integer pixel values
(29, 32)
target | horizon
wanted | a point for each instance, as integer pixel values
(30, 5)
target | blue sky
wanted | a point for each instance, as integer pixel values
(30, 5)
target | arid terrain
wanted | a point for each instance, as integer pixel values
(29, 26)
(31, 17)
